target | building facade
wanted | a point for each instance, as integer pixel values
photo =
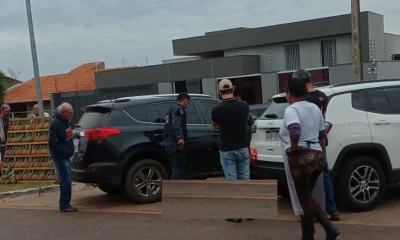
(260, 61)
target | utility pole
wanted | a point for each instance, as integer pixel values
(34, 58)
(356, 39)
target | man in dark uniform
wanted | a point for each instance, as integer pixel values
(175, 135)
(321, 100)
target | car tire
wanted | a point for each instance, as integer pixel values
(142, 187)
(346, 180)
(111, 189)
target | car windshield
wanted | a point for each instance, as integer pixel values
(276, 110)
(257, 112)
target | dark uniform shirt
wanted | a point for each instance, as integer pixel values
(175, 128)
(232, 117)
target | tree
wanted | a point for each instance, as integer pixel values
(2, 88)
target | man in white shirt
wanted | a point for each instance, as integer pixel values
(35, 111)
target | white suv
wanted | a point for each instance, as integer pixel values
(363, 125)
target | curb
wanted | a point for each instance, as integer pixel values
(31, 191)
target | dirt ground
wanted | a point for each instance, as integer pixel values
(91, 199)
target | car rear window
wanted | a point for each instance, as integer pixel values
(276, 110)
(93, 118)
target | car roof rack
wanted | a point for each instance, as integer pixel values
(126, 99)
(363, 82)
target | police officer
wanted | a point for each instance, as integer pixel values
(175, 135)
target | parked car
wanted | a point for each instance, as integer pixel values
(363, 125)
(257, 110)
(119, 145)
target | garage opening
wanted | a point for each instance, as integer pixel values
(319, 78)
(248, 88)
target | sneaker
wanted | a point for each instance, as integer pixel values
(69, 209)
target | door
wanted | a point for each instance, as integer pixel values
(383, 110)
(213, 144)
(198, 135)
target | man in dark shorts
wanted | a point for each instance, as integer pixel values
(231, 119)
(175, 135)
(320, 99)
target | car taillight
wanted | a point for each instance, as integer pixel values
(328, 127)
(253, 155)
(99, 133)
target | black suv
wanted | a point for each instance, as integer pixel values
(119, 145)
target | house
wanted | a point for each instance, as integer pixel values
(260, 61)
(22, 97)
(11, 82)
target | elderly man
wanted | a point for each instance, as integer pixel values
(62, 148)
(35, 111)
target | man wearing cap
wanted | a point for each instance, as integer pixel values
(175, 135)
(231, 119)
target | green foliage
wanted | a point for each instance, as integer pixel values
(2, 88)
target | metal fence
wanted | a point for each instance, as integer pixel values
(80, 99)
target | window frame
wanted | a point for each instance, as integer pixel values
(205, 118)
(193, 104)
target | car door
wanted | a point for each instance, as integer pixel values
(197, 135)
(383, 112)
(213, 144)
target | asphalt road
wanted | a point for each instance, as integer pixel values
(44, 224)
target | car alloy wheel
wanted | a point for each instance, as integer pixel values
(147, 181)
(364, 184)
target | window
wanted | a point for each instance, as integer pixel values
(328, 52)
(206, 108)
(393, 97)
(377, 102)
(139, 113)
(292, 56)
(159, 111)
(358, 100)
(94, 118)
(319, 77)
(276, 110)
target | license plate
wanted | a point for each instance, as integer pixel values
(272, 135)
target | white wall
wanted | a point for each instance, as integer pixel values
(388, 70)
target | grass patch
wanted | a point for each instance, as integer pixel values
(21, 186)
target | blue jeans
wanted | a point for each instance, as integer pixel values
(236, 164)
(63, 169)
(329, 199)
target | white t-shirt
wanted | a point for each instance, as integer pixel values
(311, 121)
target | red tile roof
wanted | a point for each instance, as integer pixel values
(79, 79)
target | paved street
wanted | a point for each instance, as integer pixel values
(103, 216)
(45, 224)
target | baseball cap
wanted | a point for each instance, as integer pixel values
(225, 84)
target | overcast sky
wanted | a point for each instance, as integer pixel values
(71, 32)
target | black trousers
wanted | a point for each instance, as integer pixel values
(178, 161)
